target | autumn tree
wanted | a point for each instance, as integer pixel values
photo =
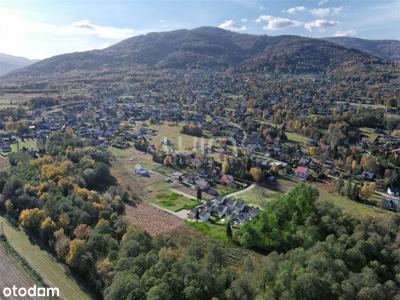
(77, 255)
(10, 124)
(47, 228)
(168, 160)
(32, 218)
(225, 165)
(312, 151)
(82, 231)
(256, 173)
(368, 189)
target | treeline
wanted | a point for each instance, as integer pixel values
(69, 200)
(154, 268)
(42, 102)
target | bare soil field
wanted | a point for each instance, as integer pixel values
(13, 274)
(4, 163)
(152, 219)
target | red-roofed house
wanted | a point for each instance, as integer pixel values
(303, 172)
(226, 179)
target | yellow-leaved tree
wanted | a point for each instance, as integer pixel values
(256, 173)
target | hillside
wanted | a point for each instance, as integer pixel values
(386, 49)
(211, 48)
(9, 63)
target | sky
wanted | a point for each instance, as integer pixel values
(39, 29)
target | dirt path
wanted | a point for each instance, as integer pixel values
(249, 188)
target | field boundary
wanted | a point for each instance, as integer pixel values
(53, 272)
(37, 278)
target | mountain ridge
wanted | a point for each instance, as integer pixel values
(385, 49)
(209, 47)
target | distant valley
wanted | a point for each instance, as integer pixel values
(10, 63)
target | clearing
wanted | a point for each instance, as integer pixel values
(295, 137)
(258, 196)
(355, 209)
(152, 219)
(180, 141)
(174, 201)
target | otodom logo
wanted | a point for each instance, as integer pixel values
(33, 291)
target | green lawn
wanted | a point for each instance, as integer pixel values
(162, 170)
(215, 231)
(180, 141)
(174, 201)
(353, 208)
(258, 196)
(225, 190)
(26, 143)
(373, 106)
(294, 137)
(120, 153)
(53, 273)
(29, 144)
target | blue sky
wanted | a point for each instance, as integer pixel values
(40, 29)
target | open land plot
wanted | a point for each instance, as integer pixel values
(150, 218)
(185, 235)
(365, 105)
(174, 201)
(180, 141)
(355, 209)
(55, 274)
(295, 137)
(258, 196)
(132, 157)
(13, 273)
(136, 185)
(27, 143)
(192, 193)
(212, 230)
(225, 190)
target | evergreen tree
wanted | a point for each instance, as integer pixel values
(229, 232)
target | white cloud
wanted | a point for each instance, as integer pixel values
(23, 36)
(295, 10)
(349, 32)
(319, 24)
(327, 11)
(86, 27)
(273, 23)
(232, 26)
(244, 20)
(322, 2)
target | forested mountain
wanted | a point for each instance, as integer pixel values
(211, 48)
(386, 49)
